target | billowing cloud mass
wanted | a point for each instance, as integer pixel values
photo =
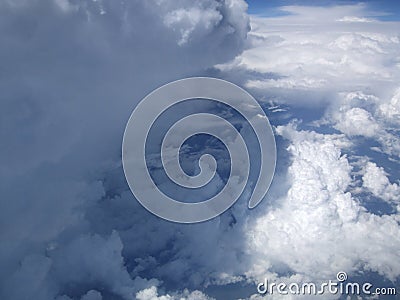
(318, 222)
(331, 75)
(72, 72)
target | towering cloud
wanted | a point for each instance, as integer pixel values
(71, 73)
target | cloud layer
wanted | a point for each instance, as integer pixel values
(73, 71)
(331, 75)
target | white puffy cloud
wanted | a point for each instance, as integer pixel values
(152, 294)
(391, 109)
(357, 121)
(376, 181)
(188, 20)
(317, 228)
(360, 114)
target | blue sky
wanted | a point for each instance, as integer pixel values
(386, 10)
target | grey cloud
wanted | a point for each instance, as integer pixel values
(71, 73)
